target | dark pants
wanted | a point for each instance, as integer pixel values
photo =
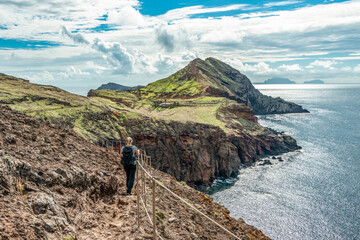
(130, 176)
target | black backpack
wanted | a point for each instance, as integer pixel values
(127, 155)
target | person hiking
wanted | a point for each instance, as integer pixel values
(128, 155)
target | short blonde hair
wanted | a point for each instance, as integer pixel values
(129, 141)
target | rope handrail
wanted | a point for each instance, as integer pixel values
(148, 215)
(147, 212)
(141, 157)
(185, 202)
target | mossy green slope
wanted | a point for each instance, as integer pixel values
(191, 81)
(92, 119)
(195, 93)
(104, 115)
(215, 78)
(210, 77)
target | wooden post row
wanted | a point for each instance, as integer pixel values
(150, 166)
(153, 209)
(142, 177)
(144, 181)
(138, 194)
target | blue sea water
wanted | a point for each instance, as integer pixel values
(313, 193)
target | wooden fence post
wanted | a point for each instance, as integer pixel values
(150, 165)
(142, 177)
(138, 194)
(144, 180)
(153, 209)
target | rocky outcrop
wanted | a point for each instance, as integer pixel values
(48, 176)
(238, 87)
(199, 153)
(56, 185)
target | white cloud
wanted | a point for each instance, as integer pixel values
(260, 68)
(126, 16)
(75, 71)
(352, 57)
(116, 54)
(113, 52)
(174, 38)
(181, 13)
(44, 76)
(283, 3)
(151, 47)
(355, 54)
(324, 64)
(76, 37)
(224, 36)
(346, 69)
(357, 68)
(293, 67)
(31, 19)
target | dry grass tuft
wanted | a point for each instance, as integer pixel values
(19, 186)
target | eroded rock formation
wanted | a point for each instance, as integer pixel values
(56, 185)
(199, 153)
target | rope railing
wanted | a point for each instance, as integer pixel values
(144, 161)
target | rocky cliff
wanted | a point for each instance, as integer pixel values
(246, 93)
(56, 185)
(199, 153)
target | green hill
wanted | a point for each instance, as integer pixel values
(89, 117)
(216, 79)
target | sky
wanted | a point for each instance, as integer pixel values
(80, 44)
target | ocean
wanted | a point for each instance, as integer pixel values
(314, 193)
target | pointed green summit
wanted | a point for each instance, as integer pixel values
(215, 78)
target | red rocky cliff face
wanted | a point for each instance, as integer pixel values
(199, 153)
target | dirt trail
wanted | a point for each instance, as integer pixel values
(56, 185)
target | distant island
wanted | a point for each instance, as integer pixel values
(118, 87)
(277, 81)
(314, 82)
(288, 81)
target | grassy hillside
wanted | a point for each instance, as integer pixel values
(104, 114)
(199, 109)
(191, 81)
(199, 92)
(91, 118)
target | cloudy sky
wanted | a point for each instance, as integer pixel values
(80, 44)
